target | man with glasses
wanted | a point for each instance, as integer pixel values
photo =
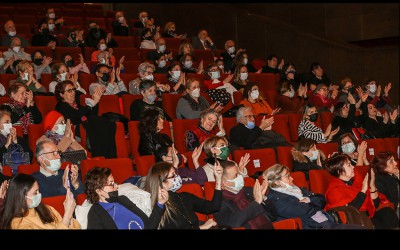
(249, 136)
(52, 180)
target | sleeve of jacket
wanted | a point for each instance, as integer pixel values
(290, 207)
(155, 217)
(226, 216)
(205, 206)
(94, 219)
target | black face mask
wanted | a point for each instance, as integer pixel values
(149, 38)
(38, 61)
(351, 90)
(113, 196)
(45, 31)
(105, 77)
(69, 63)
(314, 117)
(73, 36)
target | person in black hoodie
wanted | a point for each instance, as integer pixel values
(306, 156)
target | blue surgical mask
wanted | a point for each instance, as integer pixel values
(250, 125)
(314, 155)
(177, 184)
(239, 184)
(36, 199)
(348, 148)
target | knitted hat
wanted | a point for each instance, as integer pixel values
(50, 120)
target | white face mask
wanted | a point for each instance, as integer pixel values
(176, 74)
(103, 61)
(291, 93)
(149, 77)
(162, 63)
(63, 76)
(245, 61)
(12, 33)
(372, 88)
(103, 47)
(214, 75)
(52, 15)
(243, 76)
(195, 93)
(162, 48)
(55, 164)
(221, 66)
(348, 148)
(144, 19)
(2, 61)
(121, 19)
(36, 199)
(6, 129)
(239, 184)
(314, 155)
(254, 94)
(51, 26)
(60, 129)
(16, 49)
(25, 77)
(188, 64)
(231, 50)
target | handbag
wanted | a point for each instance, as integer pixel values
(75, 157)
(15, 156)
(353, 216)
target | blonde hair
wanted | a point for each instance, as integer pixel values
(274, 174)
(23, 65)
(211, 142)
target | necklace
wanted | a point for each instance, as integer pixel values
(187, 217)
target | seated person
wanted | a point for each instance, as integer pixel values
(196, 135)
(375, 94)
(288, 100)
(291, 201)
(243, 206)
(253, 99)
(380, 126)
(59, 132)
(148, 90)
(145, 72)
(102, 46)
(317, 76)
(94, 34)
(147, 42)
(249, 136)
(43, 38)
(306, 156)
(109, 79)
(161, 49)
(220, 91)
(26, 76)
(240, 77)
(74, 38)
(322, 100)
(288, 73)
(41, 64)
(176, 78)
(184, 48)
(68, 60)
(60, 73)
(272, 65)
(10, 33)
(187, 61)
(120, 25)
(52, 180)
(170, 31)
(243, 59)
(161, 62)
(15, 51)
(113, 211)
(348, 145)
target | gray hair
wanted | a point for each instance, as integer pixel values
(273, 174)
(142, 68)
(240, 112)
(40, 147)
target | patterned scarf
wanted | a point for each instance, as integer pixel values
(17, 107)
(56, 138)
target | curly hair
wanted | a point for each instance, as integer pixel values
(148, 123)
(96, 178)
(379, 163)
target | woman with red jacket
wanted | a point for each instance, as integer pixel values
(353, 188)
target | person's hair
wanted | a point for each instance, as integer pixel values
(315, 65)
(206, 112)
(304, 145)
(144, 66)
(286, 66)
(145, 31)
(180, 50)
(4, 112)
(184, 56)
(335, 164)
(305, 109)
(240, 112)
(21, 66)
(379, 162)
(273, 174)
(338, 108)
(211, 142)
(40, 23)
(351, 136)
(190, 81)
(236, 73)
(269, 58)
(172, 65)
(228, 164)
(65, 55)
(149, 120)
(55, 69)
(343, 82)
(248, 88)
(13, 88)
(99, 66)
(15, 205)
(157, 174)
(160, 152)
(40, 147)
(95, 179)
(60, 87)
(167, 26)
(284, 85)
(41, 52)
(146, 84)
(15, 38)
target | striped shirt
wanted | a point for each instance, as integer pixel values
(308, 130)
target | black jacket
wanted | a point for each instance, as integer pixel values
(389, 186)
(98, 218)
(151, 142)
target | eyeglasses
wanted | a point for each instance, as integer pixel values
(55, 153)
(250, 116)
(285, 176)
(149, 72)
(70, 90)
(112, 184)
(173, 176)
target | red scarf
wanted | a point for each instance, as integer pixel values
(324, 99)
(25, 120)
(340, 194)
(202, 134)
(240, 200)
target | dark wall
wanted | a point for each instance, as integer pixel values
(296, 32)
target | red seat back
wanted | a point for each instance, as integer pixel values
(260, 159)
(45, 104)
(299, 179)
(180, 126)
(121, 168)
(169, 102)
(127, 101)
(319, 180)
(144, 163)
(57, 202)
(285, 156)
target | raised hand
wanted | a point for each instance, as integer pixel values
(244, 160)
(69, 208)
(385, 117)
(175, 159)
(362, 148)
(218, 173)
(81, 59)
(163, 196)
(365, 184)
(221, 124)
(275, 111)
(378, 90)
(74, 176)
(350, 98)
(393, 116)
(228, 79)
(47, 60)
(257, 193)
(196, 155)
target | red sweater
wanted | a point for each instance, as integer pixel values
(208, 84)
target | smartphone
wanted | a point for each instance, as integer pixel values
(69, 183)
